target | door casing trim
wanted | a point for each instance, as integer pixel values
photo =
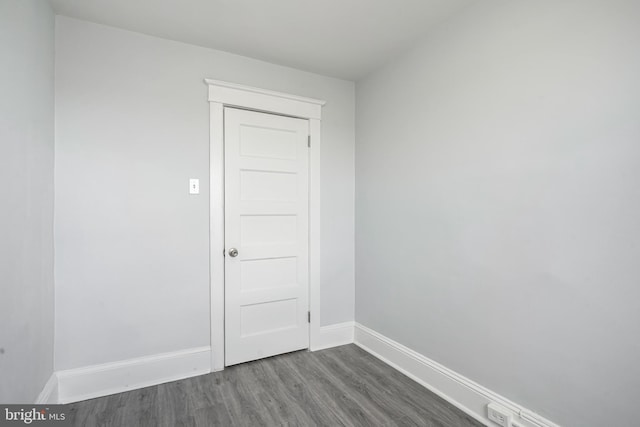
(225, 94)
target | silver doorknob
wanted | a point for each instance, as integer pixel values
(233, 252)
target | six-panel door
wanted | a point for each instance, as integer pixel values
(266, 221)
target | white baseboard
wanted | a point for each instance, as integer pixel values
(110, 378)
(458, 390)
(335, 335)
(49, 393)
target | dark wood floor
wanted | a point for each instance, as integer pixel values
(342, 386)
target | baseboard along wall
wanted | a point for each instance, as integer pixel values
(458, 390)
(89, 382)
(101, 380)
(335, 335)
(110, 378)
(49, 393)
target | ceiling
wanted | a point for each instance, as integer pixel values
(339, 38)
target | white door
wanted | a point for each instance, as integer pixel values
(266, 235)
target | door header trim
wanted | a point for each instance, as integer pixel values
(229, 85)
(233, 94)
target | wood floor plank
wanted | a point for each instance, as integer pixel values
(321, 410)
(342, 386)
(412, 398)
(375, 390)
(346, 406)
(358, 407)
(284, 404)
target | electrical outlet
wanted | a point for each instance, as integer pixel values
(499, 415)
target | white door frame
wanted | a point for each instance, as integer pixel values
(223, 94)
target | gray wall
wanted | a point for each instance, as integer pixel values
(498, 205)
(132, 117)
(26, 198)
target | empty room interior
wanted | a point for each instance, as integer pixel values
(320, 213)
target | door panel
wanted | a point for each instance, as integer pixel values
(265, 186)
(267, 221)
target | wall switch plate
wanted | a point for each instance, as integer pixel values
(194, 186)
(499, 415)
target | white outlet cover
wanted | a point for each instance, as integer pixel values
(499, 415)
